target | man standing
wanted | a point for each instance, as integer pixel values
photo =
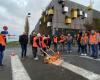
(78, 41)
(23, 40)
(35, 46)
(93, 42)
(44, 44)
(2, 48)
(69, 43)
(62, 42)
(55, 41)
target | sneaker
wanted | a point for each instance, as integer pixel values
(85, 54)
(1, 65)
(36, 58)
(82, 54)
(70, 51)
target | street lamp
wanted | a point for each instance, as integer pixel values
(26, 28)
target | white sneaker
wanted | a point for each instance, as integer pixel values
(82, 54)
(36, 58)
(85, 54)
(70, 51)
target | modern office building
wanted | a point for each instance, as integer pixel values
(64, 16)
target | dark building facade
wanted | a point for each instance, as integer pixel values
(63, 16)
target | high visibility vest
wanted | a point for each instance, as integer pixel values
(55, 39)
(62, 39)
(84, 39)
(34, 42)
(2, 40)
(43, 44)
(93, 38)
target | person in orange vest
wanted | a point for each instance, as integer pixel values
(35, 46)
(84, 42)
(55, 41)
(44, 44)
(2, 48)
(93, 42)
(62, 41)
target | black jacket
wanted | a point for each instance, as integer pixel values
(23, 39)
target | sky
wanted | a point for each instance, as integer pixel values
(13, 13)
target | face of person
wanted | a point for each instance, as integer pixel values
(92, 31)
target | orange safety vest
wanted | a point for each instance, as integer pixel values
(85, 39)
(93, 38)
(55, 39)
(43, 44)
(34, 42)
(2, 40)
(62, 39)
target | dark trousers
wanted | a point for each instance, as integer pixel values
(79, 46)
(94, 50)
(1, 57)
(84, 49)
(55, 46)
(99, 45)
(45, 51)
(24, 50)
(34, 49)
(89, 48)
(62, 46)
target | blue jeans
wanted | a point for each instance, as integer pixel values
(1, 57)
(69, 46)
(94, 48)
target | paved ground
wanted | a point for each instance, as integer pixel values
(37, 70)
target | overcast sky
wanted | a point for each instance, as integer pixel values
(13, 12)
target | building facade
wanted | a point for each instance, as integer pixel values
(64, 16)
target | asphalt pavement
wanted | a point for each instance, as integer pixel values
(37, 70)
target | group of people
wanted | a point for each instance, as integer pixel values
(88, 42)
(44, 42)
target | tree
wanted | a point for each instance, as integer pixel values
(95, 25)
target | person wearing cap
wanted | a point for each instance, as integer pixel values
(23, 40)
(2, 48)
